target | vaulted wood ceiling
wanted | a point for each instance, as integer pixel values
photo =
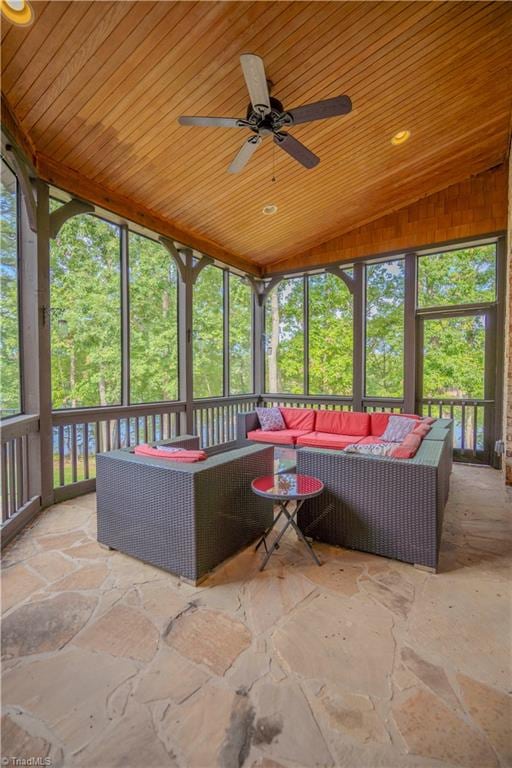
(98, 87)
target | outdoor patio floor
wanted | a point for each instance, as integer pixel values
(362, 662)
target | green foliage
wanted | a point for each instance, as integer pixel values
(10, 396)
(330, 336)
(385, 329)
(285, 337)
(153, 322)
(86, 314)
(240, 336)
(457, 277)
(453, 357)
(208, 333)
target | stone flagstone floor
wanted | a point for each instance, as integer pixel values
(363, 662)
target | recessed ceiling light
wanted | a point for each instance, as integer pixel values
(400, 137)
(17, 11)
(269, 209)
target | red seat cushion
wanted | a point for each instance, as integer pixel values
(327, 440)
(343, 423)
(279, 437)
(408, 447)
(379, 421)
(299, 418)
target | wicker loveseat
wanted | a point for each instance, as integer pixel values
(185, 518)
(387, 506)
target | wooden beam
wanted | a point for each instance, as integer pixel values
(16, 133)
(86, 189)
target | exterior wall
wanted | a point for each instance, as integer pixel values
(470, 208)
(508, 341)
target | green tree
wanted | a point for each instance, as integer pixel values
(208, 325)
(153, 322)
(240, 336)
(86, 314)
(330, 336)
(10, 393)
(385, 329)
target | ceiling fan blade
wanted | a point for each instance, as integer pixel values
(245, 154)
(256, 81)
(296, 149)
(213, 122)
(319, 110)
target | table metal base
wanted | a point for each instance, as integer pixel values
(290, 521)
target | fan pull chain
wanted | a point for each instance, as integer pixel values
(273, 162)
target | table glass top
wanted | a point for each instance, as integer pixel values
(287, 484)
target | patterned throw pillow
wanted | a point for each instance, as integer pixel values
(372, 449)
(398, 428)
(270, 419)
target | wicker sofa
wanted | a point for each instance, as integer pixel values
(386, 506)
(185, 518)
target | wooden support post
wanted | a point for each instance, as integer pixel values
(185, 319)
(44, 358)
(358, 376)
(411, 271)
(258, 345)
(125, 317)
(30, 346)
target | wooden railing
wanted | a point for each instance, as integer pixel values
(215, 419)
(469, 417)
(19, 497)
(308, 401)
(79, 435)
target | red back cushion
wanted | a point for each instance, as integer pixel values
(299, 418)
(422, 429)
(408, 447)
(379, 421)
(343, 423)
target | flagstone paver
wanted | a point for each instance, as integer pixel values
(362, 662)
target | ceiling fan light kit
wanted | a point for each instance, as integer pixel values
(266, 116)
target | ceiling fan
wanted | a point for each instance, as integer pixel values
(266, 116)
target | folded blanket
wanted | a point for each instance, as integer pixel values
(181, 454)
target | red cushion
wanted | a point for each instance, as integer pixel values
(280, 437)
(343, 423)
(422, 429)
(408, 447)
(299, 418)
(379, 421)
(327, 440)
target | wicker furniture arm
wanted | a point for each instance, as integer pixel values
(390, 507)
(246, 422)
(186, 518)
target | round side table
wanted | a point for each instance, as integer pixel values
(283, 489)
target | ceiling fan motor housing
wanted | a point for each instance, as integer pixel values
(271, 122)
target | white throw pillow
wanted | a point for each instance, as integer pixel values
(398, 428)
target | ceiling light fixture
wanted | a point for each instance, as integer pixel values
(400, 137)
(17, 12)
(269, 209)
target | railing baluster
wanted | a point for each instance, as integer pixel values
(61, 454)
(475, 427)
(12, 479)
(463, 427)
(19, 472)
(25, 440)
(73, 454)
(86, 450)
(5, 482)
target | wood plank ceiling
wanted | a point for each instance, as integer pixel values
(98, 87)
